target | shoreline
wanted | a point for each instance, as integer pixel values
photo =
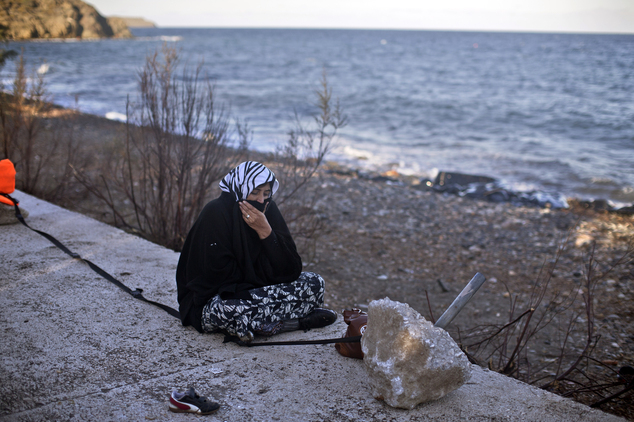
(480, 187)
(496, 187)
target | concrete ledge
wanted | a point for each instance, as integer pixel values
(76, 347)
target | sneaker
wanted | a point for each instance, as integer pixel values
(191, 402)
(317, 319)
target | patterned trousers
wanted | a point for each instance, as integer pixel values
(268, 305)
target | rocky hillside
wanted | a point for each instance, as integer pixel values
(58, 19)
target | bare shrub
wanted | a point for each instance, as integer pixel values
(177, 144)
(296, 164)
(41, 156)
(20, 117)
(552, 314)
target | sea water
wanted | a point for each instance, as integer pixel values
(547, 112)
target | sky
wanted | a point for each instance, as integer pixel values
(608, 16)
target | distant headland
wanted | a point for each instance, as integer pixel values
(135, 22)
(50, 19)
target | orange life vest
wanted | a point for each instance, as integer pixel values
(7, 180)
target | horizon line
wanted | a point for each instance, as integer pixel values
(519, 31)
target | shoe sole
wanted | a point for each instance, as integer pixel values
(197, 412)
(178, 407)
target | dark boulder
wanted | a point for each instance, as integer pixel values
(449, 180)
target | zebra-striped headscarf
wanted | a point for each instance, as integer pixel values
(247, 176)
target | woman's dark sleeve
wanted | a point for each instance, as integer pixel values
(211, 265)
(280, 250)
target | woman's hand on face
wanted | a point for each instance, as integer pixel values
(255, 219)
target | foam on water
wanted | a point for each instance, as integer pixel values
(114, 115)
(173, 38)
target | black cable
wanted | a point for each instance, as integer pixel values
(234, 339)
(136, 293)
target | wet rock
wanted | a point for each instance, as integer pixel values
(446, 180)
(489, 189)
(629, 210)
(408, 360)
(602, 205)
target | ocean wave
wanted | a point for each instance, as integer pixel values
(603, 181)
(66, 40)
(166, 38)
(623, 196)
(43, 69)
(357, 153)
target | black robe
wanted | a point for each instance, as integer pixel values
(223, 255)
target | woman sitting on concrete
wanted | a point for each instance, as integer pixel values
(239, 271)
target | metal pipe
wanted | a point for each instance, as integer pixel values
(459, 302)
